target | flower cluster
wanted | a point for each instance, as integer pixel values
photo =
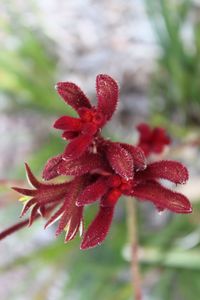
(102, 170)
(152, 140)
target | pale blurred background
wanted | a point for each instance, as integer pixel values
(152, 48)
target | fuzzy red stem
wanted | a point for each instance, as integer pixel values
(13, 229)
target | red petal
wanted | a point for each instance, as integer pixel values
(157, 147)
(27, 206)
(73, 95)
(111, 198)
(98, 229)
(86, 163)
(159, 134)
(74, 225)
(64, 220)
(121, 160)
(165, 169)
(33, 215)
(25, 192)
(69, 135)
(68, 123)
(31, 178)
(107, 94)
(162, 197)
(55, 217)
(92, 192)
(70, 208)
(77, 146)
(50, 169)
(137, 154)
(145, 132)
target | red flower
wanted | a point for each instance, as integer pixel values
(144, 186)
(152, 140)
(108, 190)
(102, 170)
(82, 131)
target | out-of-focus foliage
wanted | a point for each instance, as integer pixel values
(28, 71)
(44, 267)
(175, 87)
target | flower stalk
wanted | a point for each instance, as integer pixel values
(13, 228)
(133, 240)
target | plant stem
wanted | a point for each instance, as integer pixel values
(13, 229)
(133, 239)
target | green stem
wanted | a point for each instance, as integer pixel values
(133, 239)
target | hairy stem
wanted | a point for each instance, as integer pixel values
(13, 229)
(133, 239)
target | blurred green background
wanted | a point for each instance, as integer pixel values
(153, 49)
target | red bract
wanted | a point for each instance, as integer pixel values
(108, 190)
(88, 162)
(148, 187)
(46, 196)
(82, 131)
(152, 140)
(102, 170)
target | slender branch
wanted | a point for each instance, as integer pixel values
(133, 238)
(13, 229)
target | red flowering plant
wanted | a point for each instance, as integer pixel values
(152, 140)
(101, 170)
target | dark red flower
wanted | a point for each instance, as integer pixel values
(46, 196)
(152, 140)
(144, 186)
(108, 190)
(81, 131)
(102, 170)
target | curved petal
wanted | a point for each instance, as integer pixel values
(31, 178)
(27, 205)
(74, 224)
(162, 197)
(54, 217)
(73, 95)
(51, 168)
(165, 169)
(68, 124)
(70, 210)
(77, 146)
(33, 215)
(86, 163)
(69, 135)
(107, 94)
(120, 160)
(24, 191)
(98, 229)
(92, 192)
(137, 153)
